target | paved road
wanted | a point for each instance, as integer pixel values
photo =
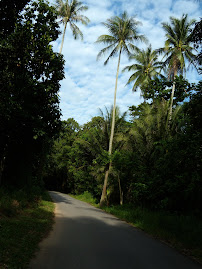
(87, 238)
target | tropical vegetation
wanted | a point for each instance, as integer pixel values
(123, 32)
(147, 67)
(149, 165)
(178, 49)
(70, 12)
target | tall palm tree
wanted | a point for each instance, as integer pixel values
(178, 49)
(97, 142)
(70, 12)
(123, 32)
(146, 67)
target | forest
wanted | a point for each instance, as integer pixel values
(147, 158)
(153, 160)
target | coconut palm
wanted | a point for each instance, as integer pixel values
(178, 49)
(146, 67)
(70, 12)
(98, 142)
(123, 32)
(148, 132)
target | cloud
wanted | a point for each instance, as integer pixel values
(186, 7)
(89, 84)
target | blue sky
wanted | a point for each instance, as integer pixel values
(88, 84)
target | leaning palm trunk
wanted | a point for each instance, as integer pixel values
(103, 199)
(171, 103)
(63, 37)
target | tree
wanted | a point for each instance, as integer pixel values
(197, 40)
(123, 32)
(29, 107)
(9, 10)
(57, 175)
(159, 88)
(70, 12)
(148, 143)
(96, 142)
(177, 49)
(146, 68)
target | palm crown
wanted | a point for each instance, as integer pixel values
(123, 31)
(178, 47)
(178, 50)
(70, 12)
(146, 67)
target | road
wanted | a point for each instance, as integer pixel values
(85, 237)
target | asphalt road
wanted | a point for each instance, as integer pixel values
(85, 237)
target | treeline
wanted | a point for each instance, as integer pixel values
(152, 166)
(154, 160)
(29, 85)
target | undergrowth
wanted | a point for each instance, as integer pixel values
(25, 218)
(180, 231)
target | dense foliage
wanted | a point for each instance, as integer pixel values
(29, 107)
(155, 159)
(152, 166)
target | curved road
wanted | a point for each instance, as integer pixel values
(85, 237)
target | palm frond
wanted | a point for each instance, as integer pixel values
(103, 51)
(76, 31)
(146, 67)
(177, 44)
(106, 39)
(81, 18)
(70, 12)
(122, 31)
(113, 53)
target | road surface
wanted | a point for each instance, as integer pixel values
(85, 237)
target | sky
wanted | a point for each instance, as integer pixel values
(89, 85)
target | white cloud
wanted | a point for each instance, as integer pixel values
(89, 84)
(187, 7)
(98, 14)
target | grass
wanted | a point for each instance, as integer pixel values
(24, 221)
(86, 197)
(182, 232)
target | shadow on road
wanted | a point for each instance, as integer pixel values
(57, 197)
(87, 238)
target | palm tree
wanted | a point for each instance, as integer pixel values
(146, 68)
(97, 141)
(148, 133)
(70, 12)
(178, 49)
(123, 31)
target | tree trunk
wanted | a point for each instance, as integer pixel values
(103, 199)
(120, 191)
(63, 37)
(171, 103)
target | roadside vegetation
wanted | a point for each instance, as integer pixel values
(146, 170)
(179, 231)
(25, 219)
(86, 197)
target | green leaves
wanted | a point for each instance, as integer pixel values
(70, 12)
(30, 83)
(178, 46)
(122, 33)
(147, 67)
